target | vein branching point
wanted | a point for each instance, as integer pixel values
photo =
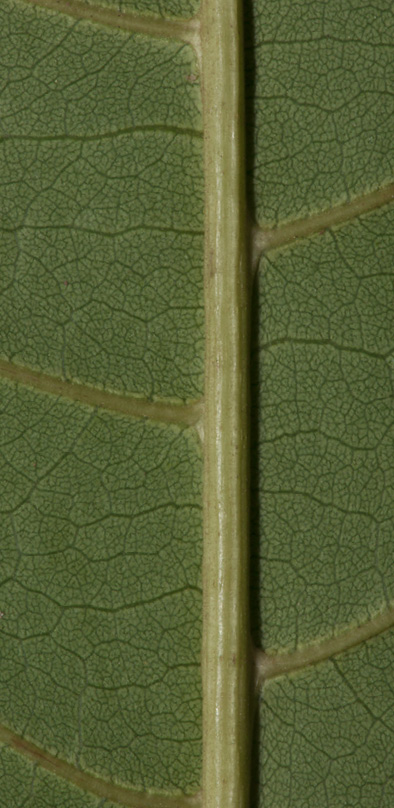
(290, 232)
(185, 30)
(269, 666)
(180, 414)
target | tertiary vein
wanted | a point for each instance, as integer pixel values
(270, 666)
(180, 414)
(92, 783)
(290, 232)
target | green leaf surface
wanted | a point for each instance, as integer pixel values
(28, 786)
(101, 184)
(327, 734)
(163, 8)
(121, 188)
(101, 556)
(321, 75)
(323, 367)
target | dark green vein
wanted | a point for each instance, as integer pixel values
(87, 607)
(293, 492)
(93, 784)
(326, 343)
(180, 414)
(103, 233)
(320, 433)
(269, 666)
(128, 130)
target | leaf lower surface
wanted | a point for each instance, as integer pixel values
(101, 534)
(102, 286)
(102, 205)
(163, 8)
(322, 382)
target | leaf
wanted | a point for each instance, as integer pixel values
(115, 470)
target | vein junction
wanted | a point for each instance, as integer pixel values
(92, 783)
(269, 666)
(187, 31)
(288, 233)
(180, 414)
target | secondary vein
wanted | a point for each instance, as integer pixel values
(184, 30)
(180, 414)
(92, 783)
(270, 666)
(264, 240)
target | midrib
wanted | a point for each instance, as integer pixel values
(226, 652)
(227, 675)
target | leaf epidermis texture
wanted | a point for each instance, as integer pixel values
(326, 735)
(101, 533)
(322, 393)
(101, 591)
(163, 8)
(323, 366)
(27, 785)
(101, 178)
(320, 104)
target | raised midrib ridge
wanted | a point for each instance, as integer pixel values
(266, 666)
(180, 414)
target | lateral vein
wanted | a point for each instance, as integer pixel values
(187, 31)
(93, 784)
(179, 414)
(119, 133)
(270, 666)
(264, 240)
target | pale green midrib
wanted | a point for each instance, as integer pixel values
(127, 130)
(184, 30)
(168, 413)
(262, 240)
(226, 655)
(269, 666)
(290, 232)
(92, 783)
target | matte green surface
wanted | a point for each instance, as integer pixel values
(101, 195)
(25, 785)
(321, 74)
(100, 590)
(322, 391)
(101, 187)
(323, 436)
(327, 734)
